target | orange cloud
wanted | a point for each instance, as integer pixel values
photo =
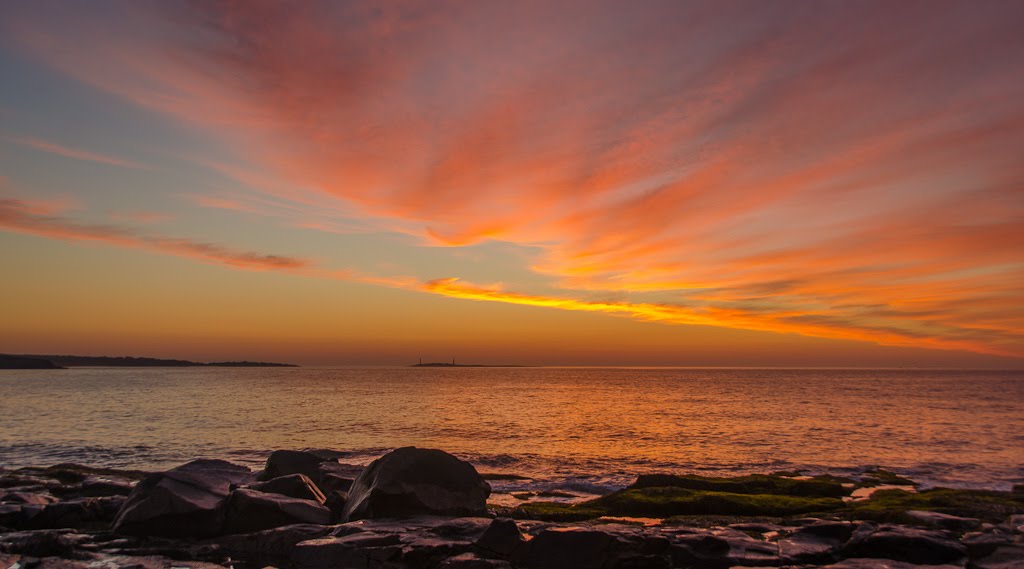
(837, 171)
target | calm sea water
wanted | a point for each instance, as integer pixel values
(583, 429)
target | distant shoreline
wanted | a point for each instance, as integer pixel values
(34, 361)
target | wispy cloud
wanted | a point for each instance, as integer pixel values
(75, 153)
(765, 167)
(23, 217)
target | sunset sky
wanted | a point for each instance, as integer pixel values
(792, 183)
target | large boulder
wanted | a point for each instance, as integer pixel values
(286, 462)
(412, 481)
(294, 485)
(187, 501)
(250, 510)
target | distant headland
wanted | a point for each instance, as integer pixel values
(10, 361)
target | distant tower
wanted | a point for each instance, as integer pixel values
(453, 360)
(421, 360)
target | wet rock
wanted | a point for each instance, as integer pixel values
(27, 498)
(745, 550)
(285, 462)
(422, 551)
(250, 510)
(472, 561)
(884, 564)
(642, 561)
(337, 476)
(297, 486)
(899, 543)
(699, 549)
(187, 501)
(96, 487)
(981, 544)
(363, 549)
(463, 528)
(1016, 523)
(501, 538)
(11, 516)
(1003, 557)
(41, 543)
(806, 548)
(570, 548)
(79, 513)
(412, 481)
(815, 542)
(944, 521)
(272, 544)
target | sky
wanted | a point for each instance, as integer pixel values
(727, 183)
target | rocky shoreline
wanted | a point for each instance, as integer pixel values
(422, 508)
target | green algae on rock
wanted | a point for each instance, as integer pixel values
(820, 487)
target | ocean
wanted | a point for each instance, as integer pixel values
(584, 431)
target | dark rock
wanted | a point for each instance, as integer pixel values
(944, 521)
(334, 482)
(11, 516)
(841, 531)
(1004, 557)
(41, 543)
(412, 481)
(272, 544)
(337, 476)
(95, 487)
(285, 462)
(981, 544)
(747, 551)
(501, 538)
(643, 561)
(904, 544)
(187, 501)
(472, 561)
(462, 528)
(806, 548)
(884, 564)
(79, 513)
(570, 548)
(27, 498)
(293, 485)
(420, 551)
(357, 550)
(701, 550)
(815, 542)
(250, 510)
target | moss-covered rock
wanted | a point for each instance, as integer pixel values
(819, 486)
(551, 512)
(892, 505)
(675, 501)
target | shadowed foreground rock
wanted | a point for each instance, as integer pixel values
(412, 481)
(208, 514)
(187, 501)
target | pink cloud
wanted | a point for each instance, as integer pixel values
(22, 217)
(788, 166)
(75, 153)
